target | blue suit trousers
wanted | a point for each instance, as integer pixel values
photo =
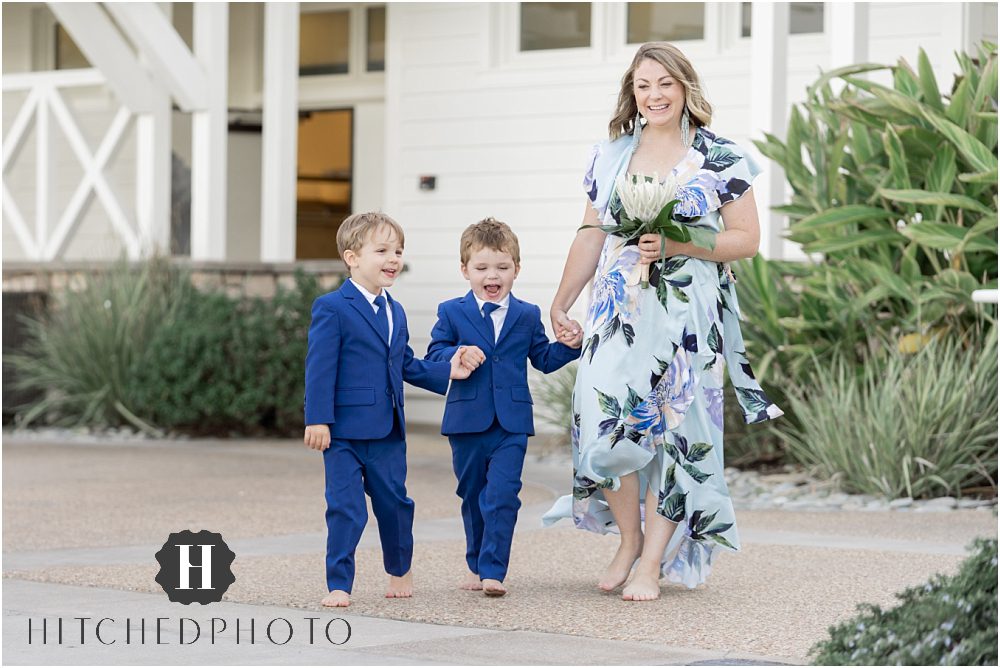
(377, 468)
(488, 467)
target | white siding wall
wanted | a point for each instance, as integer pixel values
(507, 135)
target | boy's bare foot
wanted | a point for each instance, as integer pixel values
(617, 571)
(642, 587)
(471, 582)
(493, 587)
(400, 587)
(337, 599)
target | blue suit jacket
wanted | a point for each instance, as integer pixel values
(498, 388)
(354, 379)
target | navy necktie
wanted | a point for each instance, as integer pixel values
(488, 309)
(381, 318)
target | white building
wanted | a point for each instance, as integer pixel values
(496, 104)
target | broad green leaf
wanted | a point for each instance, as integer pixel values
(935, 235)
(971, 148)
(897, 158)
(933, 198)
(859, 240)
(979, 177)
(961, 102)
(698, 475)
(904, 79)
(702, 237)
(842, 215)
(842, 72)
(928, 82)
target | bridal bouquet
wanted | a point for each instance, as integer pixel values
(647, 208)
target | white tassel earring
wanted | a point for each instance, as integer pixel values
(686, 128)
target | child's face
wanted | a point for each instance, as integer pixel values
(491, 273)
(379, 260)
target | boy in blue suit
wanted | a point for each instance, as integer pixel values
(357, 360)
(488, 417)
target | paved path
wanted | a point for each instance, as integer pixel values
(78, 514)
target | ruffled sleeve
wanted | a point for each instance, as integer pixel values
(736, 169)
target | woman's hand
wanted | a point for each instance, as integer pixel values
(566, 329)
(649, 248)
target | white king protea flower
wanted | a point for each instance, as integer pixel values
(643, 199)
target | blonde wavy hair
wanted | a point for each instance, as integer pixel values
(680, 68)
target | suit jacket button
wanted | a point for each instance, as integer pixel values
(496, 359)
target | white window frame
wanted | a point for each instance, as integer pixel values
(709, 43)
(824, 34)
(505, 33)
(321, 91)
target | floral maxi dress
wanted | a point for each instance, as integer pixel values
(648, 394)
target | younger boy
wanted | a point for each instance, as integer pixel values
(488, 417)
(357, 360)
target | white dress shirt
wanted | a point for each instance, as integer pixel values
(498, 315)
(371, 300)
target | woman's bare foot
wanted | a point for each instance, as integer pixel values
(642, 587)
(400, 587)
(617, 571)
(471, 582)
(493, 587)
(337, 599)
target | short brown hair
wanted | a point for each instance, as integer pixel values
(357, 227)
(489, 233)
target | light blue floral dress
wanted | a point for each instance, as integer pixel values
(648, 394)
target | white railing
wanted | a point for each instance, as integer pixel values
(41, 239)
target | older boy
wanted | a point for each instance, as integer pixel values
(488, 417)
(357, 360)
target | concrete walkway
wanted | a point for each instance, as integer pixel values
(82, 522)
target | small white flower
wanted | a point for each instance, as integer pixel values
(642, 199)
(900, 224)
(107, 304)
(917, 217)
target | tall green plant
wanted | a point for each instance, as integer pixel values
(911, 425)
(895, 187)
(82, 356)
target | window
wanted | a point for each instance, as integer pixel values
(665, 21)
(68, 54)
(554, 25)
(324, 42)
(325, 181)
(803, 17)
(375, 46)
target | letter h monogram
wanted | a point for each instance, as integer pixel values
(205, 566)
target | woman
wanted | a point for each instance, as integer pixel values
(647, 404)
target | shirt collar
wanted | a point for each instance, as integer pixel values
(367, 295)
(504, 303)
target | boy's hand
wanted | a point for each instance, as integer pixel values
(472, 357)
(317, 436)
(458, 371)
(575, 340)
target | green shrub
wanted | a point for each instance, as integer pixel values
(894, 193)
(82, 354)
(142, 345)
(221, 364)
(950, 621)
(915, 425)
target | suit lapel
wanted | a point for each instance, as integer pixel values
(362, 306)
(514, 310)
(471, 310)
